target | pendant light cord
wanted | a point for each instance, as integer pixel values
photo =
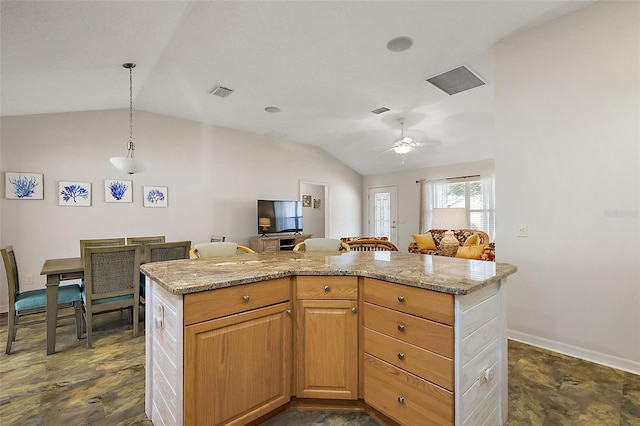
(131, 146)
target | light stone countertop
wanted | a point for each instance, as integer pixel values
(439, 273)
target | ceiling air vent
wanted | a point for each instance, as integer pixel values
(455, 81)
(380, 110)
(223, 92)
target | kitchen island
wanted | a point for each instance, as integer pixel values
(416, 339)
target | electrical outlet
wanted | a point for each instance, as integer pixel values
(523, 230)
(29, 279)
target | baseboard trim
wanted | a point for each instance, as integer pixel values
(576, 352)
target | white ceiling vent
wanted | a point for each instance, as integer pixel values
(223, 92)
(380, 110)
(457, 80)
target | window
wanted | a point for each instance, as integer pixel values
(474, 193)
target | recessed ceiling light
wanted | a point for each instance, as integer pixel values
(399, 44)
(272, 109)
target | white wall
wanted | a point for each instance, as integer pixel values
(567, 98)
(214, 176)
(409, 193)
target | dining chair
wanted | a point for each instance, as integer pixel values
(322, 244)
(371, 244)
(160, 252)
(100, 242)
(112, 283)
(204, 250)
(143, 241)
(22, 303)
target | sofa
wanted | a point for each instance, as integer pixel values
(487, 253)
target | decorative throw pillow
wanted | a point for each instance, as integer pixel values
(473, 240)
(425, 241)
(470, 252)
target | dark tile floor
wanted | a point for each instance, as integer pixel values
(105, 385)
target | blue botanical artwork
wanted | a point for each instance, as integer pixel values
(117, 191)
(155, 196)
(77, 194)
(24, 186)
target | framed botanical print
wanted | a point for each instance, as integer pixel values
(118, 191)
(74, 194)
(155, 196)
(24, 186)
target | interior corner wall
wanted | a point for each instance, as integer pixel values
(214, 176)
(567, 98)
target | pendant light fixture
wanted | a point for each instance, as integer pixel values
(130, 164)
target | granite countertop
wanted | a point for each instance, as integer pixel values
(439, 273)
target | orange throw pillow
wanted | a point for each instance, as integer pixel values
(425, 241)
(470, 252)
(473, 240)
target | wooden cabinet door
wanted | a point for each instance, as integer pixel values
(327, 349)
(238, 367)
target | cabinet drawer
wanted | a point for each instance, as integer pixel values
(427, 334)
(423, 363)
(212, 304)
(324, 287)
(405, 397)
(428, 304)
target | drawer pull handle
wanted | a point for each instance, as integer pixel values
(327, 288)
(288, 311)
(354, 310)
(400, 327)
(245, 297)
(401, 299)
(400, 356)
(401, 399)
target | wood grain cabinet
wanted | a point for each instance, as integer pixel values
(277, 242)
(238, 365)
(326, 337)
(409, 350)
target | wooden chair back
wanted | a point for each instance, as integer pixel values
(160, 252)
(100, 242)
(372, 244)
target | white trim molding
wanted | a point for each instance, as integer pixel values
(576, 352)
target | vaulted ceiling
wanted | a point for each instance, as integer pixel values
(324, 64)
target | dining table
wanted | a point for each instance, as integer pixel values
(57, 270)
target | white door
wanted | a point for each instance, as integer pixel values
(383, 212)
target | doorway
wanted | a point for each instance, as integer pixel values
(383, 211)
(315, 215)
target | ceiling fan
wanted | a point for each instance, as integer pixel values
(403, 144)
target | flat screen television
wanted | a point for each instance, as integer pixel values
(278, 216)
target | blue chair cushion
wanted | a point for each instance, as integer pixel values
(142, 285)
(38, 298)
(106, 299)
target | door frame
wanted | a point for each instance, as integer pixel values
(325, 207)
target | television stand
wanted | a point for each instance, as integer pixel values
(284, 242)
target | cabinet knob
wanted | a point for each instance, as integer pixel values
(245, 297)
(354, 310)
(400, 327)
(327, 288)
(401, 356)
(401, 299)
(288, 311)
(401, 399)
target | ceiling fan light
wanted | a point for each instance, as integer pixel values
(405, 140)
(402, 149)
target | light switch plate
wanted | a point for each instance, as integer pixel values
(523, 230)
